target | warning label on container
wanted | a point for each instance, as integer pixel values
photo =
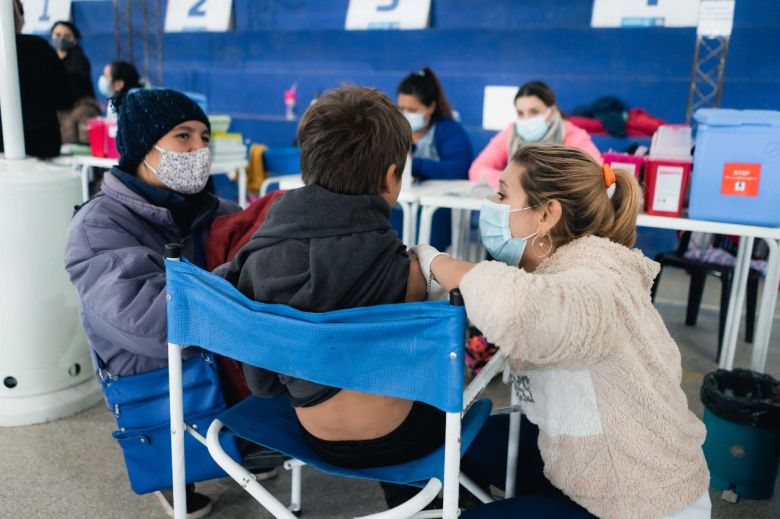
(668, 189)
(740, 179)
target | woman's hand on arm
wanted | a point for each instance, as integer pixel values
(441, 267)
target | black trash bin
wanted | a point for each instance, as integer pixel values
(742, 416)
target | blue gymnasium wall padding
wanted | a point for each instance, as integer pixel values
(276, 42)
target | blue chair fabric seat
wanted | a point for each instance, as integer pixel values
(272, 423)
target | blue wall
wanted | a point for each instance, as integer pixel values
(277, 42)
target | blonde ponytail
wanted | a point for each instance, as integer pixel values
(580, 184)
(626, 202)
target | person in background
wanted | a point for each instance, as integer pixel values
(118, 78)
(66, 40)
(538, 121)
(44, 88)
(442, 150)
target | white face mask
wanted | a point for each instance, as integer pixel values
(104, 87)
(184, 172)
(533, 129)
(416, 121)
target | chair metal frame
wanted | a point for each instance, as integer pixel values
(411, 508)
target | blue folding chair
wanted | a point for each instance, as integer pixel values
(413, 351)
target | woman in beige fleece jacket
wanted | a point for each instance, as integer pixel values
(601, 374)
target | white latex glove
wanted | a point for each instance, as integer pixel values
(426, 254)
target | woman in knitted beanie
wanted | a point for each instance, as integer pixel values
(116, 240)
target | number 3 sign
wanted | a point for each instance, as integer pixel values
(388, 14)
(198, 15)
(39, 15)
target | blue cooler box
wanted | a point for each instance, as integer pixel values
(736, 167)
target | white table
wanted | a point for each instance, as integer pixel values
(460, 197)
(84, 164)
(408, 199)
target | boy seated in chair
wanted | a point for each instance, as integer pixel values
(329, 246)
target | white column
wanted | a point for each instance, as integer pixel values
(10, 99)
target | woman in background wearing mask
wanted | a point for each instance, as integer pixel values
(44, 89)
(595, 369)
(441, 150)
(66, 40)
(538, 120)
(118, 78)
(116, 240)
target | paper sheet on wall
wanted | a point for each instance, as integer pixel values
(716, 18)
(39, 15)
(198, 15)
(387, 14)
(644, 13)
(498, 107)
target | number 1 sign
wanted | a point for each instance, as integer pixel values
(198, 15)
(39, 15)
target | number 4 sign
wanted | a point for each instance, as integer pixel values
(39, 15)
(198, 15)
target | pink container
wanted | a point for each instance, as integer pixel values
(96, 128)
(630, 163)
(111, 151)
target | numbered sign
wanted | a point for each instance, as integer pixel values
(198, 15)
(645, 13)
(39, 15)
(388, 14)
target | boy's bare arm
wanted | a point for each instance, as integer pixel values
(416, 286)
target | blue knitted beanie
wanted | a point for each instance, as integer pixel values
(145, 116)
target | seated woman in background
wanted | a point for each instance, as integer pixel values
(119, 77)
(538, 120)
(66, 40)
(442, 150)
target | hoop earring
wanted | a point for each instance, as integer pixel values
(541, 244)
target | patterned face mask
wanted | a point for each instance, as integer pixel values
(184, 172)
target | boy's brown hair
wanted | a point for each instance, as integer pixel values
(348, 139)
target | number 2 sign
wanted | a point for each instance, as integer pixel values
(198, 15)
(39, 15)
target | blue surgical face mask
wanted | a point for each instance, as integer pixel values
(416, 121)
(103, 87)
(496, 235)
(533, 128)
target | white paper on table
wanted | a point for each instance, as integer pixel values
(668, 184)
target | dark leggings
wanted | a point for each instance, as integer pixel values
(485, 464)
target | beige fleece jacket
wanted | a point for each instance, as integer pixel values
(598, 372)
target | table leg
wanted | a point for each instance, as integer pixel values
(455, 233)
(513, 445)
(426, 221)
(241, 178)
(84, 171)
(736, 300)
(415, 210)
(766, 313)
(406, 233)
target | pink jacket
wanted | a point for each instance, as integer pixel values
(494, 158)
